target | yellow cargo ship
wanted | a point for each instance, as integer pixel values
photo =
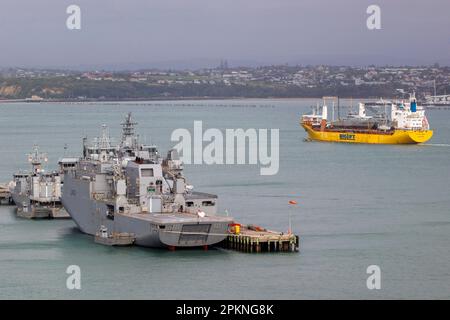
(407, 125)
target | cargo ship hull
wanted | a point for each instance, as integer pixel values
(406, 124)
(397, 136)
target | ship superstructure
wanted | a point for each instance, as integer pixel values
(37, 193)
(406, 124)
(129, 189)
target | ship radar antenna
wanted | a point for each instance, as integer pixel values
(105, 142)
(128, 126)
(129, 138)
(36, 158)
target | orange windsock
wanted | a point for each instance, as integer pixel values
(292, 202)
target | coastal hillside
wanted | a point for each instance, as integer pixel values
(263, 82)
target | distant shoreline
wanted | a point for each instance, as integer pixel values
(81, 101)
(175, 99)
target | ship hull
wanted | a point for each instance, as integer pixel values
(19, 199)
(149, 229)
(27, 209)
(396, 137)
(42, 212)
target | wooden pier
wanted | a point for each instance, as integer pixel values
(254, 239)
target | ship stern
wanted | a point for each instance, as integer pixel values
(420, 136)
(194, 234)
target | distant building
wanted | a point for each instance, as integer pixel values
(223, 65)
(359, 81)
(34, 98)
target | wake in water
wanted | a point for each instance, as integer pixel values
(436, 144)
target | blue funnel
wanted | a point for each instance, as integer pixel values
(413, 106)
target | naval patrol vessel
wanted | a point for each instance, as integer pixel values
(129, 189)
(37, 193)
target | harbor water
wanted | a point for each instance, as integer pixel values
(358, 205)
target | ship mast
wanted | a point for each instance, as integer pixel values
(104, 142)
(338, 108)
(434, 84)
(128, 127)
(129, 140)
(35, 158)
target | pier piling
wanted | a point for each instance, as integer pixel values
(252, 240)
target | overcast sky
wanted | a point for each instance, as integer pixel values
(195, 33)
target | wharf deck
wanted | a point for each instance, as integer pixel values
(255, 239)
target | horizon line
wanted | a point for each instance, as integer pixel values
(117, 68)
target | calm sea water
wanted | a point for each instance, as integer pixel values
(358, 205)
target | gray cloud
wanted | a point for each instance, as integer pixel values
(193, 33)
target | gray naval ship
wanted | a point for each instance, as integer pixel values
(37, 193)
(129, 189)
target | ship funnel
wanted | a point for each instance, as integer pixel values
(413, 107)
